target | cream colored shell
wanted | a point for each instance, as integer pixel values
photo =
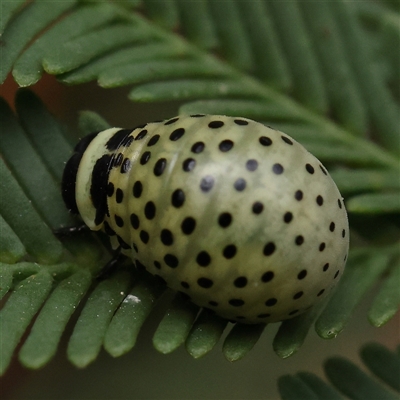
(284, 258)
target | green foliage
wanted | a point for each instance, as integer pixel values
(286, 64)
(348, 379)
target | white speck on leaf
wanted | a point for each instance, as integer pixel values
(132, 299)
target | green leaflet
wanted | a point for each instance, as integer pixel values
(234, 40)
(23, 219)
(303, 65)
(123, 58)
(270, 62)
(197, 23)
(375, 203)
(80, 50)
(361, 180)
(8, 9)
(125, 326)
(20, 308)
(360, 273)
(11, 248)
(28, 68)
(346, 100)
(164, 13)
(42, 343)
(90, 329)
(144, 71)
(205, 334)
(293, 332)
(175, 326)
(347, 379)
(187, 89)
(257, 110)
(319, 387)
(29, 22)
(387, 301)
(380, 103)
(383, 363)
(353, 382)
(44, 132)
(292, 387)
(271, 53)
(240, 340)
(21, 160)
(91, 122)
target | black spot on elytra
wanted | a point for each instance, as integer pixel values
(159, 167)
(150, 210)
(137, 189)
(176, 134)
(240, 282)
(251, 165)
(298, 195)
(171, 121)
(267, 276)
(310, 168)
(236, 302)
(225, 145)
(188, 164)
(215, 124)
(125, 166)
(141, 134)
(144, 236)
(205, 283)
(178, 198)
(240, 184)
(229, 251)
(171, 260)
(198, 147)
(119, 195)
(265, 141)
(144, 159)
(188, 225)
(134, 221)
(224, 219)
(118, 160)
(302, 274)
(166, 237)
(153, 140)
(207, 183)
(241, 122)
(203, 259)
(277, 169)
(257, 207)
(271, 302)
(287, 140)
(269, 249)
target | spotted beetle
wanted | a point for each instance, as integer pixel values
(236, 215)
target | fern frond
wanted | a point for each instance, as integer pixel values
(19, 213)
(362, 271)
(276, 64)
(348, 379)
(42, 342)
